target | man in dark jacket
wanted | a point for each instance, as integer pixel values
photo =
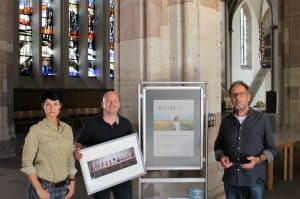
(243, 146)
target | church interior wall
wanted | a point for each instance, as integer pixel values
(160, 41)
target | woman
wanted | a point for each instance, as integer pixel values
(176, 124)
(47, 158)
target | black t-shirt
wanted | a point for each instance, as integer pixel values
(96, 130)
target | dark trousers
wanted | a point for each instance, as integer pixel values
(120, 191)
(255, 192)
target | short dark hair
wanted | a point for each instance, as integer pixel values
(239, 82)
(52, 95)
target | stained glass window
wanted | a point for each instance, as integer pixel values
(111, 38)
(245, 36)
(38, 44)
(25, 37)
(47, 37)
(91, 40)
(73, 38)
(243, 21)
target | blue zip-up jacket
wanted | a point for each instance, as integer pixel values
(253, 137)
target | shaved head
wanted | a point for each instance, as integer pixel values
(110, 103)
(110, 93)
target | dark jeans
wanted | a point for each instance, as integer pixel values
(55, 193)
(255, 192)
(121, 191)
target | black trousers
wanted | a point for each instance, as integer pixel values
(120, 191)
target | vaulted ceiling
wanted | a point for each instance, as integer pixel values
(231, 6)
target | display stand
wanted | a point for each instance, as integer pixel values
(173, 137)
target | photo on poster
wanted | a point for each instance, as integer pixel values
(173, 125)
(173, 115)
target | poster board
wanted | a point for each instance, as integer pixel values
(173, 118)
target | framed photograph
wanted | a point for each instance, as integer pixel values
(111, 163)
(173, 125)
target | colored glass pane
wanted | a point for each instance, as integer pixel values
(92, 72)
(112, 6)
(74, 38)
(47, 37)
(25, 37)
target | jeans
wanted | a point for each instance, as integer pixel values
(55, 193)
(255, 192)
(121, 191)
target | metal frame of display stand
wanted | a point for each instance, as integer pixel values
(202, 178)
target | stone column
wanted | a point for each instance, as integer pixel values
(170, 40)
(291, 65)
(7, 30)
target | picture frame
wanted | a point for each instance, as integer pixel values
(173, 116)
(111, 163)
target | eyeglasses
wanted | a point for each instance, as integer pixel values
(241, 94)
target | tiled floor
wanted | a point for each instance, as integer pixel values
(13, 183)
(288, 189)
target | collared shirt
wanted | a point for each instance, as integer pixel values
(238, 141)
(96, 130)
(48, 151)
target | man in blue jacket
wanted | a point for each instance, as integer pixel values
(244, 145)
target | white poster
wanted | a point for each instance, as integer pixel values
(173, 128)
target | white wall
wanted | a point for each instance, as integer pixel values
(237, 73)
(248, 75)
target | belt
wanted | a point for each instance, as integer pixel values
(54, 184)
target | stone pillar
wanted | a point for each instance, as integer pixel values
(170, 40)
(291, 65)
(209, 35)
(7, 29)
